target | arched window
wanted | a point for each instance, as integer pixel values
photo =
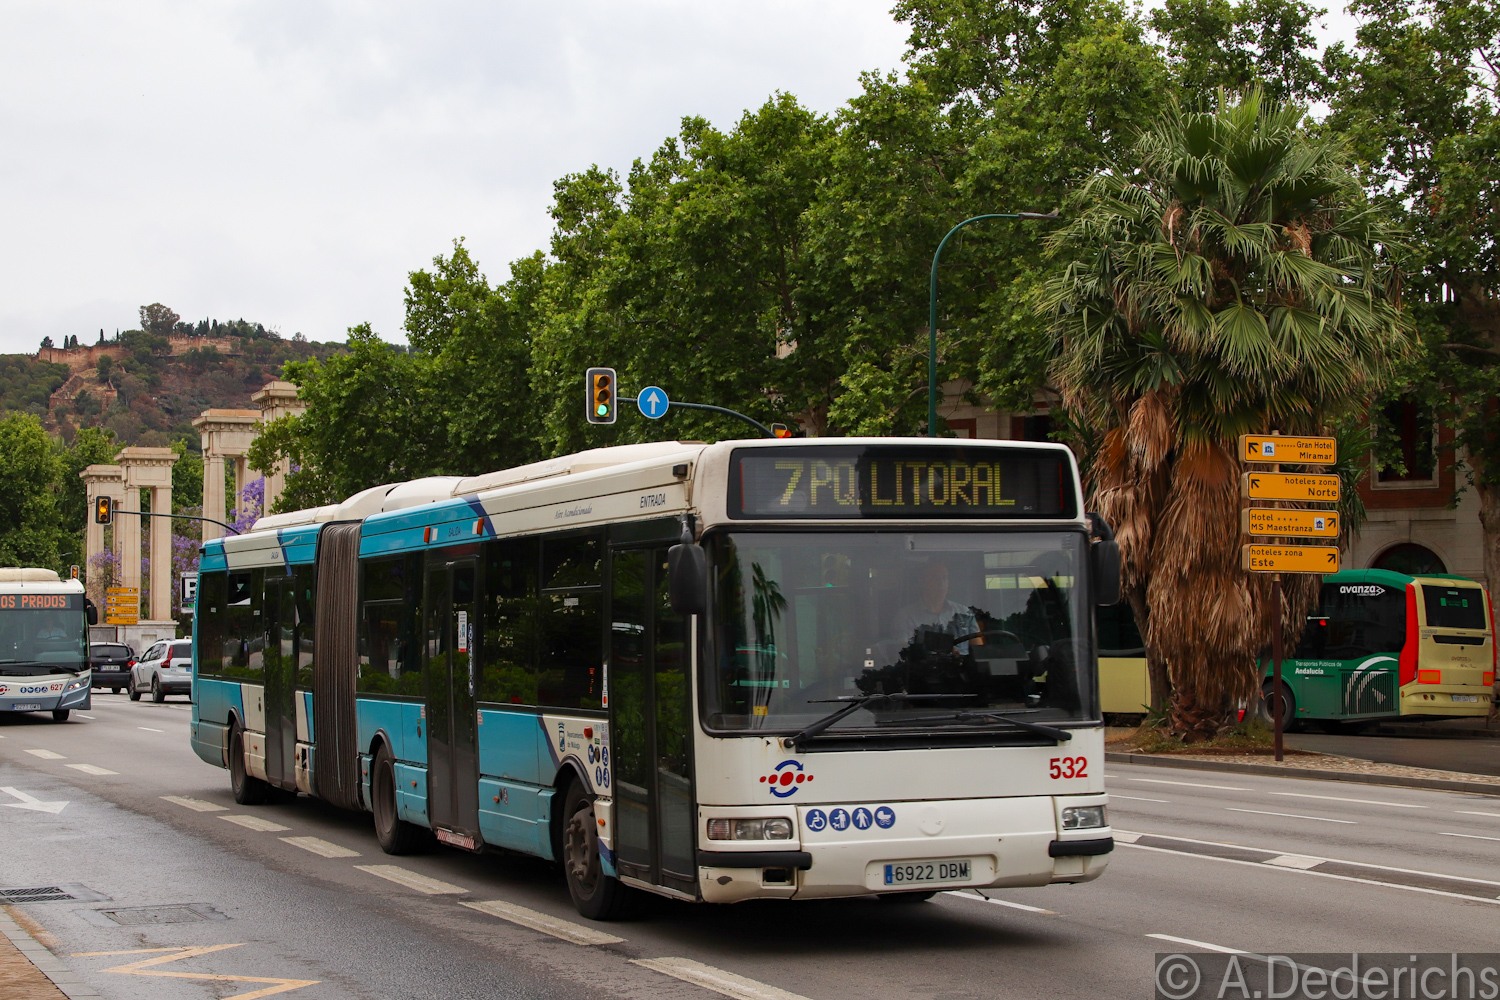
(1409, 558)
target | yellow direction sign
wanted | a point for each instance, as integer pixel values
(1289, 558)
(1297, 450)
(1289, 486)
(1270, 521)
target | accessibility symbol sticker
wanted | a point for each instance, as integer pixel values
(863, 818)
(817, 820)
(839, 819)
(885, 817)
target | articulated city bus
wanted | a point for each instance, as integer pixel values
(745, 670)
(1383, 645)
(44, 649)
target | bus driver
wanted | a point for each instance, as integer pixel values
(933, 612)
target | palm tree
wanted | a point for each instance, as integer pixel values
(1230, 280)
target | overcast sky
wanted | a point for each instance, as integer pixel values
(290, 161)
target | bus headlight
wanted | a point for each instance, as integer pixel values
(1083, 817)
(775, 828)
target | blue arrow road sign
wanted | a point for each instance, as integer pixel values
(653, 402)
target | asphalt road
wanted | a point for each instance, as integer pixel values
(1470, 748)
(176, 890)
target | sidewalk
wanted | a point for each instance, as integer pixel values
(28, 971)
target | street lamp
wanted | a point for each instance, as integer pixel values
(932, 307)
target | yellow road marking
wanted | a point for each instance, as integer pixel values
(167, 955)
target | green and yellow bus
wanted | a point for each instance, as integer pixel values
(1382, 645)
(1379, 646)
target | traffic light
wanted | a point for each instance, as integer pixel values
(104, 510)
(600, 384)
(781, 431)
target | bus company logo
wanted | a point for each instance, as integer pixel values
(562, 737)
(4, 689)
(1362, 589)
(786, 779)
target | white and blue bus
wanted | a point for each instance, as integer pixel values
(44, 643)
(686, 668)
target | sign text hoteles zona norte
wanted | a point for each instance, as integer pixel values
(1293, 450)
(1289, 486)
(1289, 558)
(1274, 521)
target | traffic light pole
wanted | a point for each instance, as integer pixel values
(716, 409)
(186, 517)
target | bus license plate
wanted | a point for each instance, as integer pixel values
(1466, 699)
(928, 872)
(27, 707)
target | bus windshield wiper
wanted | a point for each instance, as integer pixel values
(853, 705)
(1060, 735)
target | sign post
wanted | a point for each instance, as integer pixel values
(1266, 557)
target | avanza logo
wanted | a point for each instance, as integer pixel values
(785, 780)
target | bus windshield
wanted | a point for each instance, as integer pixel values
(1450, 606)
(959, 624)
(43, 640)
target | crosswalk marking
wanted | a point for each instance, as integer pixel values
(410, 879)
(537, 921)
(197, 805)
(320, 847)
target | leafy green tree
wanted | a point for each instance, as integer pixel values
(368, 421)
(158, 319)
(1416, 95)
(1229, 278)
(1217, 43)
(30, 481)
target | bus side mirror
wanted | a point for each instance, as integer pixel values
(90, 612)
(1105, 560)
(687, 577)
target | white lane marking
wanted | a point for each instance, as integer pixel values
(537, 921)
(1298, 861)
(148, 729)
(1265, 812)
(1126, 837)
(960, 894)
(83, 716)
(1190, 943)
(45, 754)
(92, 769)
(197, 805)
(1134, 798)
(320, 847)
(255, 823)
(412, 880)
(721, 982)
(1363, 802)
(1470, 812)
(1467, 836)
(1191, 784)
(1336, 877)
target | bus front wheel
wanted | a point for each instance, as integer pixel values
(595, 894)
(1288, 708)
(60, 714)
(395, 834)
(248, 790)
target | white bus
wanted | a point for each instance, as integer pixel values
(716, 672)
(44, 648)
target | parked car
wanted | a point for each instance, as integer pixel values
(111, 663)
(166, 668)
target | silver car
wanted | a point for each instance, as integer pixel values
(166, 668)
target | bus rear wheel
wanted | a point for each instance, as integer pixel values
(395, 834)
(595, 894)
(248, 790)
(1288, 708)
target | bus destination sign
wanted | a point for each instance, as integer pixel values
(885, 481)
(1294, 450)
(1274, 521)
(1289, 486)
(1289, 558)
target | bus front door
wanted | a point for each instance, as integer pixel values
(650, 725)
(452, 722)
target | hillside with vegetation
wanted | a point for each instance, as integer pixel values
(146, 386)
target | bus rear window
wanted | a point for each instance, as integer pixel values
(1453, 607)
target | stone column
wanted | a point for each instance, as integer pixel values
(99, 481)
(150, 470)
(276, 400)
(226, 434)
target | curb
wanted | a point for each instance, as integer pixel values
(1483, 786)
(46, 963)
